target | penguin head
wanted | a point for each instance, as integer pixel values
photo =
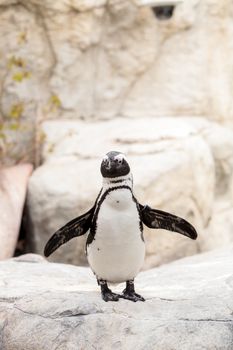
(114, 164)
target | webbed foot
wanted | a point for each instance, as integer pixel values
(129, 292)
(107, 294)
(110, 296)
(132, 296)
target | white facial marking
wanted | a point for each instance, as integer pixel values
(106, 161)
(105, 158)
(120, 157)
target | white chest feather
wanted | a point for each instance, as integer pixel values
(117, 252)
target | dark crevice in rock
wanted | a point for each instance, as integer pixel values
(8, 300)
(65, 314)
(163, 12)
(31, 313)
(178, 300)
(21, 244)
(72, 315)
(206, 320)
(68, 313)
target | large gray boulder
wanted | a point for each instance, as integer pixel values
(48, 306)
(173, 170)
(219, 232)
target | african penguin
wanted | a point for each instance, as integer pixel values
(115, 245)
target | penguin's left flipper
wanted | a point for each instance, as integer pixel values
(155, 218)
(76, 227)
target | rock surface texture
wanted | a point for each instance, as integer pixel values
(102, 59)
(47, 306)
(13, 188)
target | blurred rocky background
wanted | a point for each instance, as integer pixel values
(82, 77)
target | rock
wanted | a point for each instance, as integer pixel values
(70, 140)
(103, 59)
(30, 257)
(26, 63)
(13, 187)
(219, 232)
(220, 140)
(161, 153)
(62, 304)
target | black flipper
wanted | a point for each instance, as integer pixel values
(155, 218)
(74, 228)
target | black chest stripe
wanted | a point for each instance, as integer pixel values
(119, 181)
(93, 227)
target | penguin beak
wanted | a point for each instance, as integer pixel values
(110, 166)
(107, 163)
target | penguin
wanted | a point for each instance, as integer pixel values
(115, 245)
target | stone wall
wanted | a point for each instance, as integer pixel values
(101, 59)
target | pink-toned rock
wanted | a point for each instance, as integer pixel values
(13, 187)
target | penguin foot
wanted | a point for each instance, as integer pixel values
(131, 296)
(110, 296)
(107, 294)
(129, 292)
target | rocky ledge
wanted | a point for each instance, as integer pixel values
(54, 306)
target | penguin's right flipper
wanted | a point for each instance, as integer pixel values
(74, 228)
